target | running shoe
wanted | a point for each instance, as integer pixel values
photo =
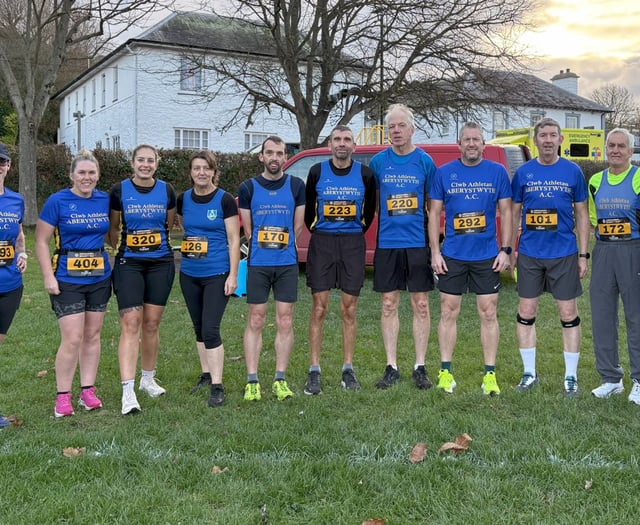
(527, 383)
(313, 388)
(634, 395)
(571, 387)
(391, 377)
(216, 396)
(349, 381)
(445, 381)
(203, 381)
(421, 379)
(4, 422)
(149, 386)
(129, 403)
(490, 385)
(63, 406)
(252, 392)
(88, 399)
(281, 390)
(608, 389)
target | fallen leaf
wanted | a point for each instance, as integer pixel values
(236, 358)
(73, 452)
(49, 360)
(375, 521)
(360, 482)
(217, 470)
(460, 445)
(588, 484)
(15, 422)
(42, 373)
(418, 453)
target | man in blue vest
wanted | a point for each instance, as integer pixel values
(548, 192)
(272, 211)
(341, 204)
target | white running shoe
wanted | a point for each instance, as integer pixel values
(150, 387)
(608, 389)
(129, 403)
(634, 396)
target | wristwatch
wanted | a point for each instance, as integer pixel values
(586, 255)
(506, 249)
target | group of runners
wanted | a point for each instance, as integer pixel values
(545, 212)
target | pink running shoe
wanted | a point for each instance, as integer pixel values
(88, 399)
(63, 405)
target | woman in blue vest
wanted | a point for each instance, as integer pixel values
(13, 259)
(142, 209)
(77, 277)
(209, 267)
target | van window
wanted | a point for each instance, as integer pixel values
(300, 168)
(516, 157)
(579, 150)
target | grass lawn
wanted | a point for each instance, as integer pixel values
(337, 458)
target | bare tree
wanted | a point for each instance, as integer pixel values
(35, 38)
(333, 59)
(621, 101)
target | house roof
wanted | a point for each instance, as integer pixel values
(522, 89)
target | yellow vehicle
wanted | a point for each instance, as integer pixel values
(578, 144)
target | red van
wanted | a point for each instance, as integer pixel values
(509, 155)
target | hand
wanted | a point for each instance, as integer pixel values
(230, 285)
(501, 262)
(437, 264)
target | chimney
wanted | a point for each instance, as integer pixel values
(566, 80)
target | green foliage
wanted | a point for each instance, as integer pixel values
(337, 458)
(9, 129)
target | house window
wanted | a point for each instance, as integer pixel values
(115, 142)
(251, 140)
(77, 97)
(190, 75)
(535, 117)
(115, 83)
(571, 120)
(68, 110)
(499, 120)
(191, 139)
(84, 100)
(103, 88)
(93, 94)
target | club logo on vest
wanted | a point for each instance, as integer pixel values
(212, 214)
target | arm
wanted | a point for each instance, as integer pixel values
(437, 261)
(44, 231)
(298, 221)
(370, 201)
(516, 213)
(583, 228)
(171, 218)
(21, 262)
(245, 215)
(501, 262)
(232, 227)
(114, 228)
(311, 196)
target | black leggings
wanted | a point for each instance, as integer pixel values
(206, 303)
(9, 303)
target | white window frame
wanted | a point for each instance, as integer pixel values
(115, 83)
(103, 87)
(193, 139)
(254, 138)
(190, 75)
(568, 117)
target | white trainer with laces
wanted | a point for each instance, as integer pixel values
(149, 386)
(608, 389)
(129, 403)
(634, 395)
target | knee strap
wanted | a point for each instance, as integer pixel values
(571, 324)
(526, 322)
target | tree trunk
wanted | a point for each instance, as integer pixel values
(28, 176)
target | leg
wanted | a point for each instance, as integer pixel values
(128, 346)
(570, 336)
(215, 363)
(150, 342)
(284, 334)
(390, 325)
(527, 309)
(90, 350)
(421, 325)
(447, 327)
(489, 330)
(253, 336)
(319, 310)
(71, 334)
(348, 309)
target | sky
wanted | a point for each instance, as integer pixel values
(599, 40)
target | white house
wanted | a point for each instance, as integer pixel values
(149, 91)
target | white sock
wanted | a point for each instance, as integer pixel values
(529, 360)
(148, 373)
(127, 386)
(571, 364)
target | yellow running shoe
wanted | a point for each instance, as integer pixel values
(281, 390)
(446, 381)
(490, 385)
(252, 392)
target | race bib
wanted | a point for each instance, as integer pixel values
(273, 237)
(618, 229)
(542, 219)
(402, 204)
(143, 240)
(339, 211)
(194, 246)
(85, 264)
(7, 253)
(469, 222)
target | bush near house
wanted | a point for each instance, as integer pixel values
(54, 161)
